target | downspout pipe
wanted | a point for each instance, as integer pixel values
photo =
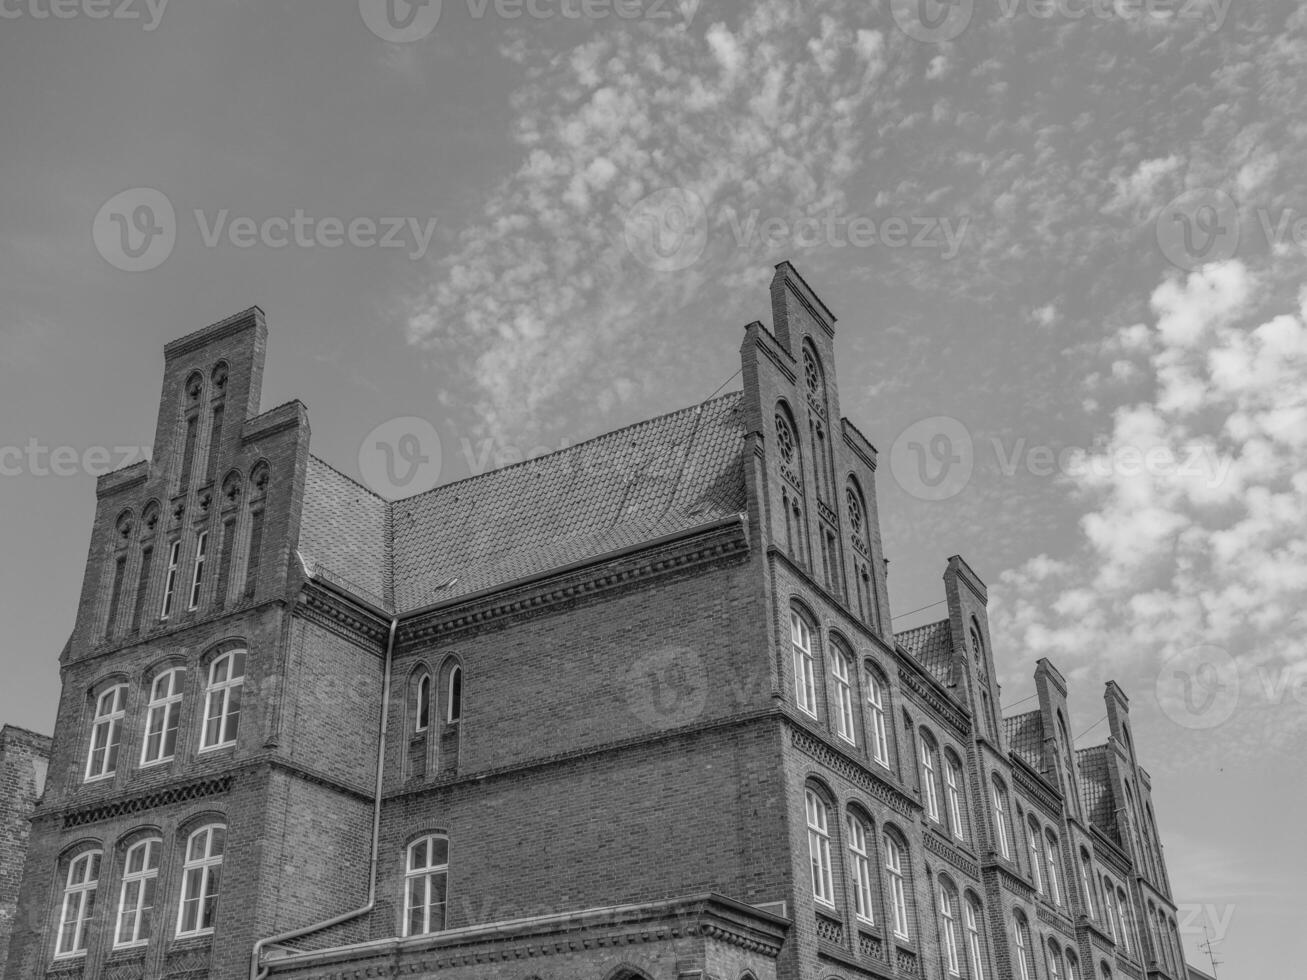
(257, 973)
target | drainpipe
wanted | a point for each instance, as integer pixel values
(255, 972)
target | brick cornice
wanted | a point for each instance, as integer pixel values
(181, 793)
(1036, 788)
(817, 749)
(931, 694)
(952, 855)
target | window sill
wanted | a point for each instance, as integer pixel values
(102, 778)
(204, 750)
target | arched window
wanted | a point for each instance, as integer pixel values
(841, 674)
(201, 875)
(163, 717)
(1054, 961)
(1050, 852)
(805, 684)
(876, 705)
(948, 913)
(1072, 966)
(454, 709)
(122, 540)
(1034, 840)
(1000, 817)
(422, 703)
(929, 775)
(787, 446)
(78, 903)
(1108, 914)
(860, 865)
(136, 900)
(953, 790)
(974, 946)
(1122, 911)
(106, 732)
(197, 571)
(1021, 946)
(426, 882)
(859, 536)
(170, 580)
(823, 886)
(194, 389)
(1086, 882)
(898, 893)
(222, 701)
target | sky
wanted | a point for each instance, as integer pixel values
(1065, 240)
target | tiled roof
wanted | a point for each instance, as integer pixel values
(623, 488)
(345, 532)
(1025, 737)
(931, 646)
(1096, 790)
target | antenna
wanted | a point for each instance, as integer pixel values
(1207, 947)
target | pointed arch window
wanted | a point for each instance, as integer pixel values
(78, 903)
(422, 704)
(426, 884)
(454, 710)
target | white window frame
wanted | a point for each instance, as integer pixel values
(823, 883)
(805, 683)
(1107, 910)
(844, 725)
(879, 738)
(223, 694)
(1054, 957)
(1085, 875)
(197, 574)
(170, 580)
(973, 940)
(110, 713)
(1122, 912)
(950, 932)
(143, 884)
(422, 719)
(1023, 954)
(452, 716)
(423, 876)
(951, 781)
(1070, 961)
(163, 716)
(206, 869)
(80, 886)
(929, 791)
(1000, 820)
(1054, 889)
(1034, 838)
(861, 863)
(897, 891)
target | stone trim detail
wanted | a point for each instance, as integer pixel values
(823, 754)
(926, 691)
(184, 793)
(952, 856)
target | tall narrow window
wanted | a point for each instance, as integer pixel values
(163, 717)
(455, 709)
(215, 443)
(426, 881)
(197, 576)
(201, 874)
(170, 583)
(823, 887)
(222, 703)
(188, 452)
(1121, 914)
(952, 784)
(1000, 820)
(949, 918)
(422, 713)
(115, 594)
(1054, 889)
(897, 890)
(256, 547)
(973, 941)
(876, 702)
(860, 862)
(843, 694)
(1072, 972)
(928, 790)
(1107, 910)
(1054, 963)
(79, 904)
(1086, 882)
(1021, 940)
(1036, 854)
(805, 685)
(142, 588)
(107, 732)
(136, 901)
(224, 560)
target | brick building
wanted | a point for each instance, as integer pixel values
(631, 710)
(24, 758)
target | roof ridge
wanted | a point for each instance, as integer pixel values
(913, 629)
(536, 460)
